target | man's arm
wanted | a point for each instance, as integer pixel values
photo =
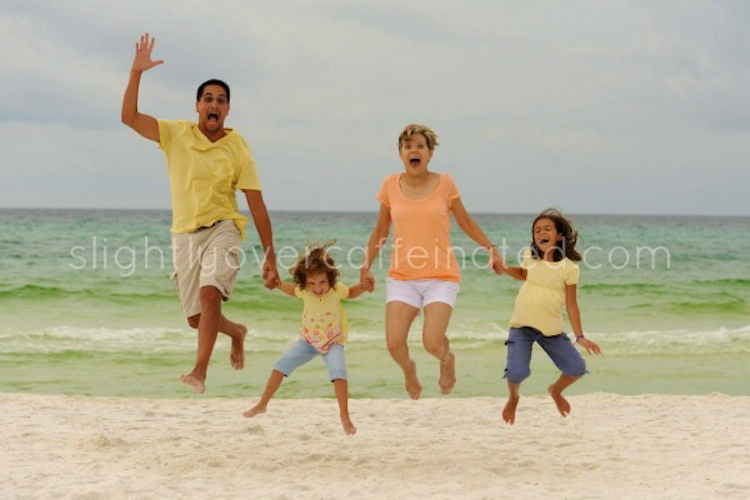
(145, 125)
(263, 225)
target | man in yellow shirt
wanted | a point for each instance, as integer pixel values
(207, 163)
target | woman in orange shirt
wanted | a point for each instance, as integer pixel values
(424, 273)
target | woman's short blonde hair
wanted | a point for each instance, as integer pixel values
(415, 128)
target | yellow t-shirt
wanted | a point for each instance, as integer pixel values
(421, 231)
(204, 176)
(542, 295)
(323, 319)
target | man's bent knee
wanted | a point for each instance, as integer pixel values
(210, 294)
(194, 321)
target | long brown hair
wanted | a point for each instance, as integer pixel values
(315, 261)
(567, 246)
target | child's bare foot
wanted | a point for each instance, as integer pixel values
(348, 426)
(413, 386)
(448, 375)
(194, 382)
(562, 404)
(258, 409)
(237, 356)
(509, 412)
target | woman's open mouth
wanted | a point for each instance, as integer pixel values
(415, 162)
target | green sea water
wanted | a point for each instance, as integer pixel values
(87, 307)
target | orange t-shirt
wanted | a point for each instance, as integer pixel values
(421, 231)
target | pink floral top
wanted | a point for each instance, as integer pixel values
(323, 319)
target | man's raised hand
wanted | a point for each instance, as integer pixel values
(142, 61)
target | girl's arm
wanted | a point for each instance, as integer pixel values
(469, 226)
(518, 273)
(356, 290)
(288, 288)
(377, 242)
(574, 315)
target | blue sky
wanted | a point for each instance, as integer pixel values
(593, 107)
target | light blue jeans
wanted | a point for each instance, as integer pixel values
(301, 352)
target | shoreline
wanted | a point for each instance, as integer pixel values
(611, 446)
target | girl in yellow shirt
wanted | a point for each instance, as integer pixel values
(550, 278)
(324, 328)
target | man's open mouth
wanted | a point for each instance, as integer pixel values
(213, 116)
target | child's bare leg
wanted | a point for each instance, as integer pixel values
(514, 394)
(398, 319)
(341, 387)
(556, 389)
(273, 384)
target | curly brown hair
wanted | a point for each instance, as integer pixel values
(315, 261)
(565, 228)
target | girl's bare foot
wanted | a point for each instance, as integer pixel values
(237, 356)
(562, 404)
(509, 412)
(255, 410)
(348, 426)
(448, 375)
(194, 382)
(413, 386)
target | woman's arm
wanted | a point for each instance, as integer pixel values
(374, 245)
(469, 226)
(574, 315)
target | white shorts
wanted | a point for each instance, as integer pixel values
(420, 293)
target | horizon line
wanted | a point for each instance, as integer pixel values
(375, 212)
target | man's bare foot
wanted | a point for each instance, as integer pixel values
(562, 404)
(237, 357)
(413, 386)
(509, 412)
(448, 375)
(194, 382)
(348, 426)
(255, 410)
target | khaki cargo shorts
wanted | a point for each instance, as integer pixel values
(207, 257)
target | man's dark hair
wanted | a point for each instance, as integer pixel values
(212, 81)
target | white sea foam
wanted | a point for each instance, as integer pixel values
(177, 340)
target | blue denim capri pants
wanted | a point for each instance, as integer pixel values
(301, 352)
(558, 347)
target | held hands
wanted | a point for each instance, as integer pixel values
(143, 61)
(270, 274)
(367, 280)
(590, 346)
(496, 262)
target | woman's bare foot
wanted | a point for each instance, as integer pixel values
(509, 412)
(562, 404)
(413, 386)
(258, 409)
(448, 375)
(194, 382)
(348, 426)
(237, 356)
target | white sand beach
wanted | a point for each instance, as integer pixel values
(650, 446)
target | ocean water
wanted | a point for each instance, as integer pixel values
(87, 307)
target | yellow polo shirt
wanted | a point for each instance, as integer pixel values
(542, 296)
(204, 176)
